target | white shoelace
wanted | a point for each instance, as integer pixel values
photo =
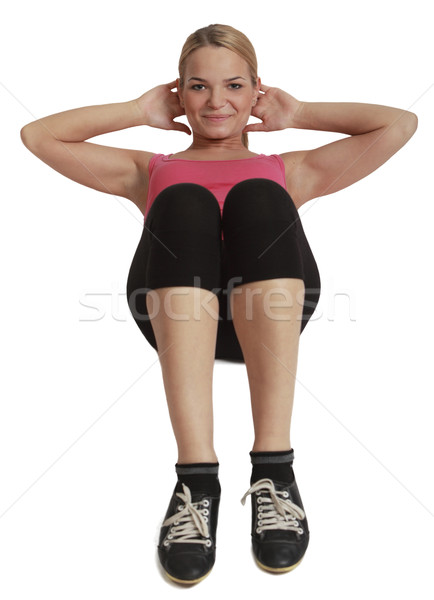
(274, 512)
(190, 523)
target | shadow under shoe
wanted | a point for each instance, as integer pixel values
(280, 533)
(187, 543)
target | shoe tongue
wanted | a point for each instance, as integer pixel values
(196, 493)
(278, 485)
(200, 484)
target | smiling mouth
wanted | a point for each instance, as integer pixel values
(217, 118)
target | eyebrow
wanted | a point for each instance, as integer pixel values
(225, 80)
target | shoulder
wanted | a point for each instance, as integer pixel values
(137, 184)
(296, 182)
(145, 159)
(292, 159)
(144, 162)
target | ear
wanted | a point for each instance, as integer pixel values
(258, 84)
(179, 92)
(257, 88)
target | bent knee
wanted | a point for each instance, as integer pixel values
(184, 202)
(258, 200)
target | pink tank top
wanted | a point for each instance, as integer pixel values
(218, 176)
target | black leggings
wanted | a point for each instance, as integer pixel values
(182, 245)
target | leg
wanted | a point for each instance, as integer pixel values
(180, 269)
(187, 341)
(261, 229)
(270, 342)
(264, 240)
(173, 283)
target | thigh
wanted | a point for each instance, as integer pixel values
(137, 287)
(311, 278)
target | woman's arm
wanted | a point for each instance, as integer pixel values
(353, 118)
(58, 140)
(80, 124)
(377, 133)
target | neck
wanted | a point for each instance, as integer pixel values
(215, 145)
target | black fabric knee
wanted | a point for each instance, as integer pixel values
(260, 230)
(185, 248)
(264, 239)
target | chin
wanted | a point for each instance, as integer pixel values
(215, 135)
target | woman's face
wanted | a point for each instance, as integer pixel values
(218, 94)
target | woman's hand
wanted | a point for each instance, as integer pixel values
(159, 106)
(275, 108)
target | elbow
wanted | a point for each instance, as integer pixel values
(403, 128)
(411, 123)
(31, 135)
(25, 135)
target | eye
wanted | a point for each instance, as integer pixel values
(238, 86)
(195, 86)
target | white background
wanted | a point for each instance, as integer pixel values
(87, 451)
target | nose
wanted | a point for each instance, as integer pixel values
(216, 99)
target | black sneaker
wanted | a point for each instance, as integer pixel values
(280, 533)
(187, 544)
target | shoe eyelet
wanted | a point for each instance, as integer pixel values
(205, 519)
(300, 531)
(259, 500)
(259, 523)
(170, 537)
(176, 523)
(285, 494)
(258, 493)
(208, 543)
(258, 530)
(206, 502)
(205, 512)
(296, 523)
(166, 543)
(180, 507)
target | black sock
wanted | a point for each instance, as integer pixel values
(199, 477)
(272, 465)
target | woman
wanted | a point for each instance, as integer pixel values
(221, 236)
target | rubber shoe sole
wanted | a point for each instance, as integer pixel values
(281, 570)
(187, 581)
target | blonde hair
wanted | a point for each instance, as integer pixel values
(226, 37)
